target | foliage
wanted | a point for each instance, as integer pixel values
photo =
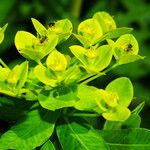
(55, 86)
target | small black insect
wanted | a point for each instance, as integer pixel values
(129, 48)
(51, 24)
(43, 39)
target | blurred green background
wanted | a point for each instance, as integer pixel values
(130, 13)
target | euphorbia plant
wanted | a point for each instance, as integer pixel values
(56, 87)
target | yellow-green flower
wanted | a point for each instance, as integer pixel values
(114, 100)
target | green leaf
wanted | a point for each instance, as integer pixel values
(105, 21)
(2, 30)
(86, 95)
(138, 109)
(133, 121)
(112, 125)
(73, 136)
(12, 108)
(32, 132)
(4, 89)
(39, 27)
(73, 74)
(48, 146)
(60, 97)
(114, 34)
(4, 72)
(23, 74)
(117, 32)
(124, 89)
(124, 59)
(127, 139)
(45, 75)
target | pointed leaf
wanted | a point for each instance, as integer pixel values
(48, 146)
(57, 98)
(4, 72)
(74, 136)
(114, 34)
(2, 30)
(30, 133)
(138, 109)
(39, 27)
(128, 59)
(79, 52)
(23, 75)
(127, 139)
(86, 95)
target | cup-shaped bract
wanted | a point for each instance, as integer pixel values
(18, 75)
(33, 48)
(93, 60)
(63, 28)
(125, 45)
(114, 100)
(90, 30)
(105, 20)
(45, 76)
(56, 61)
(126, 49)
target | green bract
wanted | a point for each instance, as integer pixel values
(93, 59)
(2, 30)
(56, 87)
(126, 49)
(56, 61)
(34, 48)
(89, 30)
(62, 28)
(114, 100)
(106, 21)
(13, 80)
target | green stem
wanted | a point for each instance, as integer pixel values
(99, 74)
(3, 64)
(86, 77)
(83, 115)
(30, 81)
(76, 8)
